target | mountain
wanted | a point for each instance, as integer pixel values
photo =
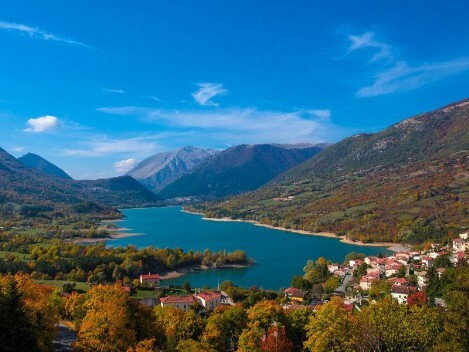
(239, 169)
(159, 170)
(36, 162)
(409, 182)
(21, 184)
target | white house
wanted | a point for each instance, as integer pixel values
(180, 302)
(208, 300)
(401, 293)
(428, 262)
(365, 282)
(460, 245)
(150, 279)
(422, 279)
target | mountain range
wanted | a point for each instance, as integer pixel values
(159, 170)
(239, 169)
(401, 184)
(21, 184)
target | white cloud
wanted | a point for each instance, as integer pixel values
(206, 92)
(154, 98)
(18, 149)
(38, 33)
(116, 91)
(367, 40)
(402, 77)
(240, 125)
(41, 124)
(125, 165)
(395, 75)
(322, 114)
(98, 146)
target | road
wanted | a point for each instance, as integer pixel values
(342, 286)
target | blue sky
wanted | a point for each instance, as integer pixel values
(95, 86)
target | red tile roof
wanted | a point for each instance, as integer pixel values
(403, 289)
(177, 299)
(207, 296)
(348, 307)
(399, 280)
(295, 292)
(150, 276)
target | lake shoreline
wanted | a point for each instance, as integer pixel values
(177, 273)
(395, 247)
(114, 233)
(115, 236)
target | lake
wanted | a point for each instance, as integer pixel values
(279, 255)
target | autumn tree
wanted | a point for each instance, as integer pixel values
(224, 327)
(41, 309)
(418, 298)
(193, 346)
(260, 319)
(276, 340)
(329, 329)
(107, 325)
(390, 326)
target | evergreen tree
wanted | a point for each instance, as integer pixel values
(16, 333)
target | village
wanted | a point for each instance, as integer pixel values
(404, 274)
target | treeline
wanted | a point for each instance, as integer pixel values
(108, 319)
(95, 263)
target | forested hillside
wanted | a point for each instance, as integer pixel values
(39, 163)
(24, 186)
(405, 183)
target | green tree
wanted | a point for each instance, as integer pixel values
(390, 326)
(16, 332)
(456, 323)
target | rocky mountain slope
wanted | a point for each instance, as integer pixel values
(159, 170)
(239, 169)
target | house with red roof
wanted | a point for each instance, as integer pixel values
(427, 261)
(150, 279)
(181, 302)
(400, 281)
(440, 272)
(208, 300)
(295, 294)
(365, 281)
(401, 293)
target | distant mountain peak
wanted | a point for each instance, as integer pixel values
(159, 170)
(37, 162)
(239, 169)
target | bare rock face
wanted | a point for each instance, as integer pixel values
(159, 170)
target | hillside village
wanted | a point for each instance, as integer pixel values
(405, 275)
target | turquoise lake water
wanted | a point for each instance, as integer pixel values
(279, 255)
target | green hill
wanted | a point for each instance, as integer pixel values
(20, 184)
(405, 183)
(39, 163)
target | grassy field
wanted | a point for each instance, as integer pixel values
(21, 256)
(80, 286)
